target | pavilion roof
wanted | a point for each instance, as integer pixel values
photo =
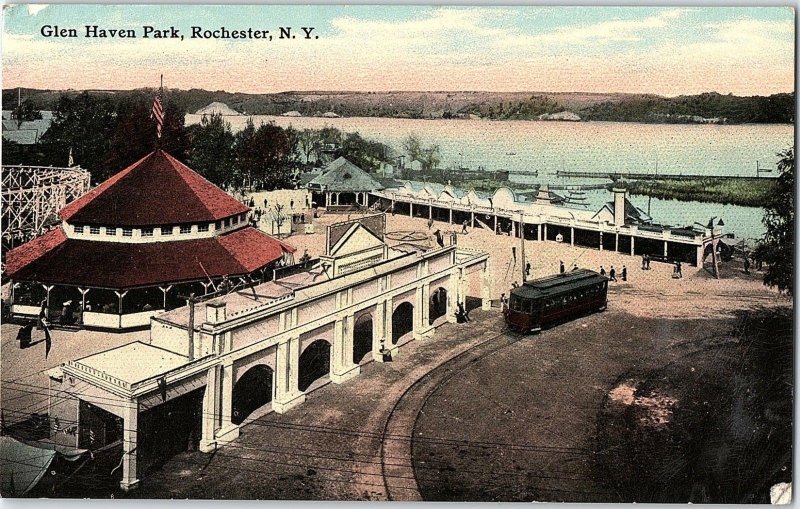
(155, 190)
(53, 258)
(343, 176)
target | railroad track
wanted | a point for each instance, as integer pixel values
(397, 436)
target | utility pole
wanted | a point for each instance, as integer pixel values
(191, 300)
(522, 241)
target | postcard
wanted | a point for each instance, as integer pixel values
(406, 253)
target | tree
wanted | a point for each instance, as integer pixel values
(263, 156)
(134, 135)
(212, 153)
(307, 140)
(83, 124)
(776, 249)
(25, 111)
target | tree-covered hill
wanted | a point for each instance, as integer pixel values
(778, 108)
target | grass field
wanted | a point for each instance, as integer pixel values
(751, 192)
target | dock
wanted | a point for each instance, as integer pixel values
(652, 176)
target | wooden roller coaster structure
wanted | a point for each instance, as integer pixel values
(33, 195)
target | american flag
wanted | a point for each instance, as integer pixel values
(158, 114)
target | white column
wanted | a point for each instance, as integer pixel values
(486, 286)
(632, 239)
(571, 235)
(287, 370)
(383, 330)
(665, 249)
(601, 241)
(228, 430)
(616, 242)
(451, 214)
(342, 366)
(422, 329)
(539, 232)
(211, 410)
(545, 232)
(454, 294)
(410, 209)
(130, 437)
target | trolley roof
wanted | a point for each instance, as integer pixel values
(559, 283)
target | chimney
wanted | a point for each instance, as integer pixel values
(619, 205)
(216, 312)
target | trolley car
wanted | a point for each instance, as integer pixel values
(543, 302)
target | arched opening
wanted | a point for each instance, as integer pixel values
(315, 363)
(438, 305)
(347, 198)
(252, 391)
(362, 338)
(402, 321)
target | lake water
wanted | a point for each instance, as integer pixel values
(520, 146)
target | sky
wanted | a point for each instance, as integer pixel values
(662, 50)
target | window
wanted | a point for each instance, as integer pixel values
(147, 232)
(78, 229)
(227, 222)
(111, 231)
(203, 227)
(218, 225)
(235, 220)
(166, 230)
(94, 230)
(186, 228)
(127, 232)
(242, 217)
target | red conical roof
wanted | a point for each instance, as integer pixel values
(156, 190)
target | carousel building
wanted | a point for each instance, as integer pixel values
(139, 243)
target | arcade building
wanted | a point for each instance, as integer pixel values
(210, 368)
(138, 244)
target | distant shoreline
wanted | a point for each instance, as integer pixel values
(710, 107)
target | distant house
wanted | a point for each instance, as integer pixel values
(217, 108)
(292, 114)
(330, 114)
(27, 132)
(415, 165)
(567, 116)
(632, 214)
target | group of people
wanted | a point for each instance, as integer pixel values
(612, 273)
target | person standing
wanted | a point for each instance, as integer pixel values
(603, 270)
(746, 264)
(528, 269)
(680, 269)
(503, 302)
(430, 223)
(612, 274)
(624, 273)
(464, 227)
(462, 313)
(561, 267)
(644, 262)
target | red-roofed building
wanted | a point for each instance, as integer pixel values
(135, 244)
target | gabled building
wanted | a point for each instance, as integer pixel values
(139, 243)
(342, 185)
